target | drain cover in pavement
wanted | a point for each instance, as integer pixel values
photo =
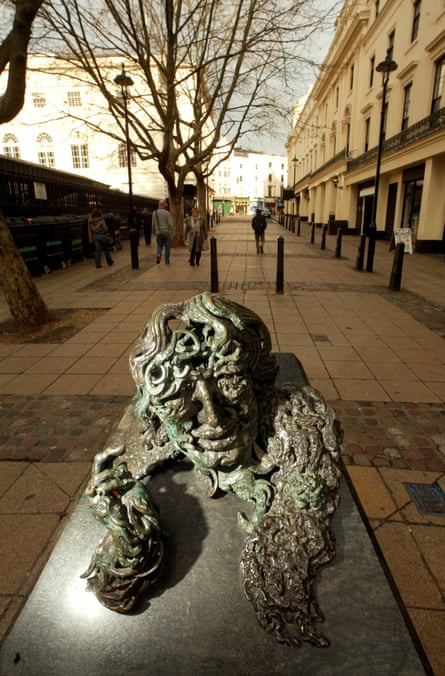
(428, 498)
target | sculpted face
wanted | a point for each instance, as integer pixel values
(199, 367)
(209, 409)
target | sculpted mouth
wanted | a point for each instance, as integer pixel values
(214, 433)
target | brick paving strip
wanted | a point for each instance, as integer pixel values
(57, 428)
(392, 434)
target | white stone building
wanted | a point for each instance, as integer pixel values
(65, 124)
(334, 141)
(247, 179)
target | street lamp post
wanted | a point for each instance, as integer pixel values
(294, 163)
(124, 81)
(385, 67)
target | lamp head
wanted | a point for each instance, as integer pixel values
(123, 80)
(386, 66)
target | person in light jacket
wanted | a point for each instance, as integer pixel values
(163, 228)
(195, 234)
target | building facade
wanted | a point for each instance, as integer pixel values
(352, 115)
(65, 124)
(248, 179)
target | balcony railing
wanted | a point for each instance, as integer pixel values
(414, 133)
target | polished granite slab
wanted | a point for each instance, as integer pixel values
(199, 622)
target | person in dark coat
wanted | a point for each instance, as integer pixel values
(146, 225)
(195, 233)
(259, 225)
(98, 234)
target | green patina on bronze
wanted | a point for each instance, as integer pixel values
(205, 379)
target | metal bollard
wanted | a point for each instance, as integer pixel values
(323, 237)
(214, 284)
(360, 253)
(134, 248)
(397, 267)
(280, 265)
(338, 245)
(298, 228)
(313, 233)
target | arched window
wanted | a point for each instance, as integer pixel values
(11, 146)
(45, 150)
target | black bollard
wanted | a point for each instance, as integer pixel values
(298, 227)
(214, 285)
(134, 248)
(313, 233)
(371, 249)
(360, 253)
(323, 237)
(397, 267)
(280, 265)
(338, 245)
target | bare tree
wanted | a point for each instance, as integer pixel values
(24, 300)
(208, 69)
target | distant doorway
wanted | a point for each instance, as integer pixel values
(364, 212)
(411, 205)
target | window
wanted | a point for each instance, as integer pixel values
(79, 153)
(337, 97)
(406, 103)
(38, 100)
(74, 99)
(351, 77)
(377, 7)
(45, 150)
(122, 157)
(270, 178)
(348, 137)
(367, 128)
(416, 19)
(371, 70)
(11, 147)
(390, 50)
(438, 85)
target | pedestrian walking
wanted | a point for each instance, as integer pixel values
(98, 234)
(162, 226)
(259, 225)
(195, 235)
(146, 225)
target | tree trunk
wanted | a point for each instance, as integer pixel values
(24, 300)
(176, 202)
(202, 198)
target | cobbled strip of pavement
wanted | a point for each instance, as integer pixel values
(392, 434)
(57, 428)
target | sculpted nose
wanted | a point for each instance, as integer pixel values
(203, 393)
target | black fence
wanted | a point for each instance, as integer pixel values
(47, 212)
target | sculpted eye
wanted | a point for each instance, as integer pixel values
(232, 386)
(171, 408)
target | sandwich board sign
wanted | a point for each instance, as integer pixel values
(402, 235)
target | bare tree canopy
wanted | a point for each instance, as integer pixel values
(13, 53)
(207, 69)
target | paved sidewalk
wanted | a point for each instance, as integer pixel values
(377, 356)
